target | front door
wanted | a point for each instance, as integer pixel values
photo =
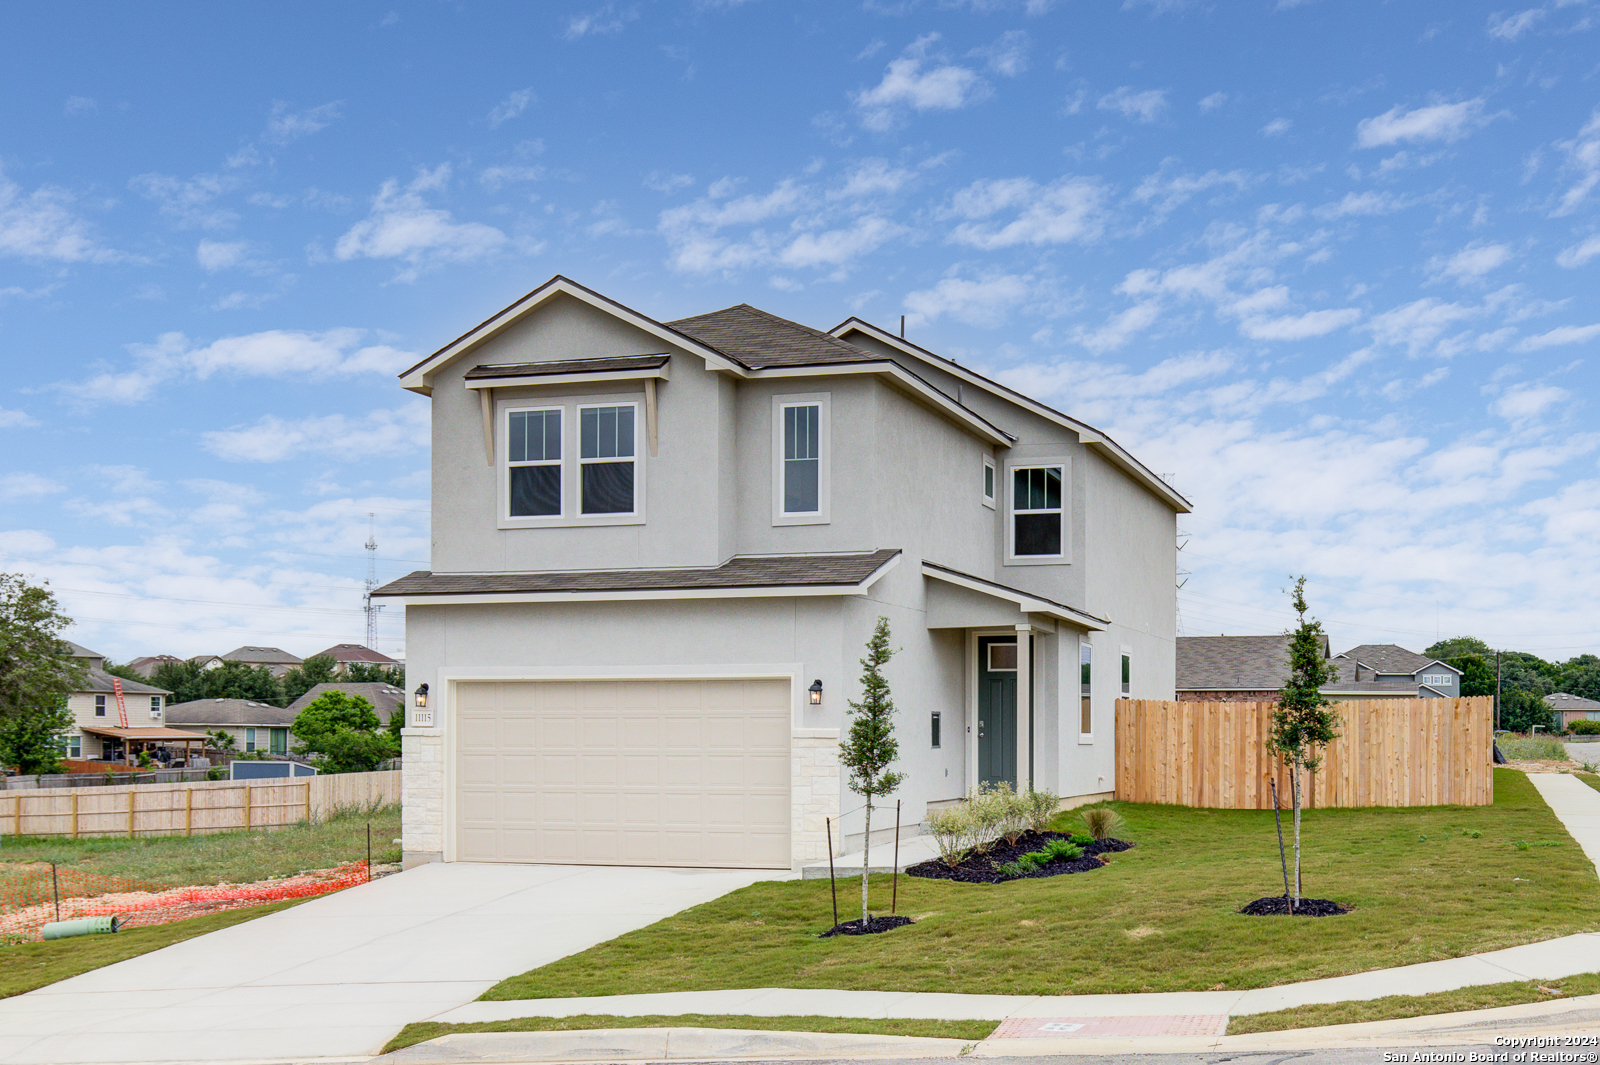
(997, 709)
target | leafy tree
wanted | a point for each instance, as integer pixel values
(1520, 710)
(126, 672)
(223, 740)
(1302, 725)
(1456, 646)
(340, 732)
(191, 680)
(37, 674)
(1477, 674)
(318, 669)
(375, 673)
(871, 747)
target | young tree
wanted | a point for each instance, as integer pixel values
(871, 747)
(37, 674)
(341, 731)
(1303, 725)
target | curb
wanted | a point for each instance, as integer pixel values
(666, 1044)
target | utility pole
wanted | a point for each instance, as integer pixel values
(372, 584)
(1497, 689)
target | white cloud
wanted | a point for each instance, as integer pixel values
(219, 255)
(16, 419)
(1068, 209)
(1165, 192)
(284, 125)
(1566, 334)
(402, 226)
(1007, 56)
(1583, 159)
(1470, 263)
(836, 247)
(1363, 204)
(693, 230)
(1446, 122)
(274, 353)
(509, 108)
(1277, 127)
(81, 105)
(1419, 324)
(1145, 106)
(192, 203)
(1299, 327)
(495, 177)
(872, 177)
(917, 82)
(660, 182)
(273, 439)
(41, 225)
(1212, 102)
(985, 302)
(1580, 253)
(602, 20)
(1529, 401)
(1120, 328)
(19, 486)
(1510, 27)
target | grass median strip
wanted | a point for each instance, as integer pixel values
(27, 966)
(1425, 883)
(1397, 1007)
(970, 1030)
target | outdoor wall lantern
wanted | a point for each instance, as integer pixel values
(422, 695)
(816, 692)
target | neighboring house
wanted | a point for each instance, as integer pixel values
(1386, 670)
(254, 726)
(659, 551)
(97, 732)
(385, 698)
(275, 659)
(346, 653)
(150, 663)
(1570, 708)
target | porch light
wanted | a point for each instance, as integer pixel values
(816, 692)
(422, 694)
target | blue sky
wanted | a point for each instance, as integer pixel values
(1332, 268)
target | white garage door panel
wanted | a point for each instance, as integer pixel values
(662, 772)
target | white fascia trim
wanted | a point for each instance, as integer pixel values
(416, 378)
(568, 378)
(1087, 435)
(908, 382)
(1026, 603)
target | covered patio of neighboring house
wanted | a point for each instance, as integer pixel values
(126, 744)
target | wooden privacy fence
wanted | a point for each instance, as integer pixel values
(1390, 752)
(191, 809)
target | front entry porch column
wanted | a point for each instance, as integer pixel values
(1024, 708)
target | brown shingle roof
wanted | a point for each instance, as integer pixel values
(228, 712)
(1563, 701)
(383, 697)
(1239, 663)
(758, 339)
(272, 656)
(739, 572)
(98, 680)
(355, 652)
(544, 369)
(1386, 658)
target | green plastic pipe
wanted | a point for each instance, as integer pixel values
(83, 926)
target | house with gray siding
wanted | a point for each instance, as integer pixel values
(659, 549)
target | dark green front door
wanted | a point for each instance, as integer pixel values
(997, 709)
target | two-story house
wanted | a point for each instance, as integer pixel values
(659, 550)
(97, 733)
(1387, 670)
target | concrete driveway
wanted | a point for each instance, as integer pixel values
(337, 977)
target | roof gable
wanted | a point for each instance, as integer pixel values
(760, 340)
(1391, 658)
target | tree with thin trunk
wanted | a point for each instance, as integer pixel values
(871, 747)
(1302, 725)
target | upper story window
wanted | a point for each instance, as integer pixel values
(155, 706)
(533, 461)
(1036, 512)
(1437, 680)
(605, 457)
(800, 454)
(988, 481)
(99, 706)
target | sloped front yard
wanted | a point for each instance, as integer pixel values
(1425, 883)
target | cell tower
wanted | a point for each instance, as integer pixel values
(372, 583)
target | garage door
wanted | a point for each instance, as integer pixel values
(660, 772)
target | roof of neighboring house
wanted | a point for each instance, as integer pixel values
(758, 340)
(383, 697)
(1391, 658)
(98, 680)
(565, 366)
(1236, 663)
(755, 571)
(1563, 701)
(268, 656)
(148, 664)
(80, 651)
(355, 652)
(228, 712)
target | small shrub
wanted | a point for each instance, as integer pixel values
(1061, 850)
(1016, 868)
(1532, 749)
(1102, 822)
(1011, 812)
(1042, 807)
(1082, 839)
(987, 804)
(1521, 844)
(1584, 728)
(952, 830)
(213, 774)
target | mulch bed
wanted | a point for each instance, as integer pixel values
(1278, 906)
(978, 868)
(855, 928)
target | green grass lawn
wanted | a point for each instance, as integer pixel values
(235, 857)
(970, 1030)
(1393, 1007)
(1426, 883)
(27, 966)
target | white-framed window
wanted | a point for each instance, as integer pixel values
(988, 482)
(1085, 691)
(607, 460)
(800, 459)
(70, 744)
(533, 462)
(249, 740)
(1436, 680)
(1127, 674)
(155, 706)
(99, 706)
(1038, 517)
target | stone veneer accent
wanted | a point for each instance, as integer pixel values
(814, 791)
(421, 796)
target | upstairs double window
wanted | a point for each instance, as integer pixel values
(571, 465)
(1038, 528)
